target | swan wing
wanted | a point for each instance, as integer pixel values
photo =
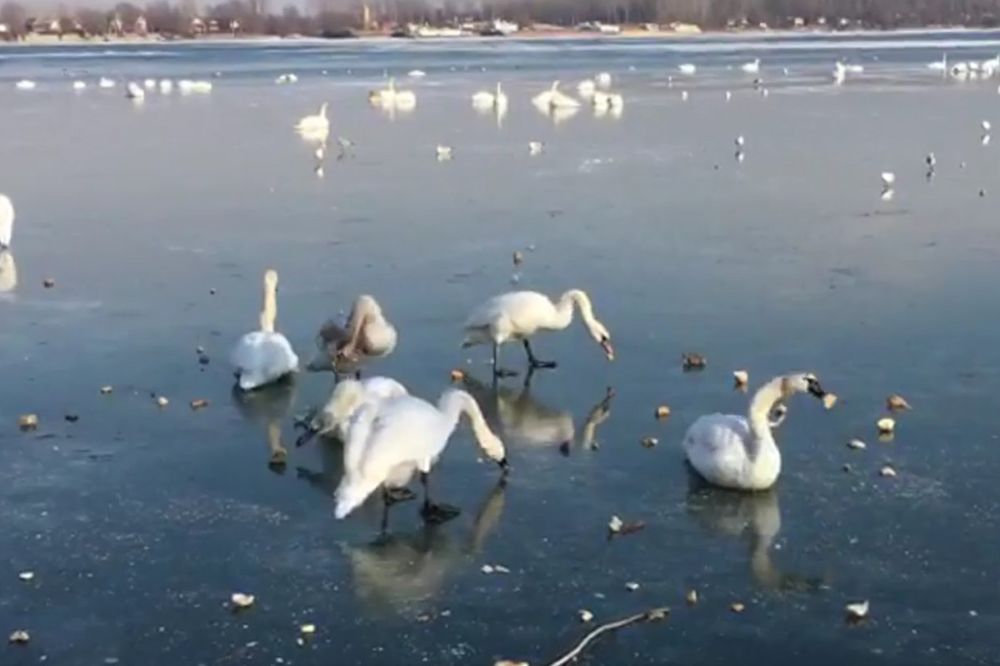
(715, 445)
(518, 311)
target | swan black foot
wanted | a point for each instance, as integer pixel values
(436, 514)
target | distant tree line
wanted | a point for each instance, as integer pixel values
(337, 17)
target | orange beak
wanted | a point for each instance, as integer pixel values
(609, 351)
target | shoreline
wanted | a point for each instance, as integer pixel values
(526, 35)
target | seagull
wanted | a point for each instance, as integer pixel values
(888, 180)
(740, 141)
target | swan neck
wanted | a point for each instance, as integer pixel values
(269, 312)
(454, 404)
(760, 408)
(564, 309)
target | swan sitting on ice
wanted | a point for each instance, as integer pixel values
(265, 356)
(134, 91)
(368, 334)
(518, 315)
(687, 68)
(25, 84)
(315, 123)
(79, 85)
(739, 452)
(347, 398)
(554, 99)
(6, 221)
(105, 82)
(488, 101)
(391, 97)
(390, 440)
(608, 101)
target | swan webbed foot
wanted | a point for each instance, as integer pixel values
(278, 459)
(436, 514)
(395, 495)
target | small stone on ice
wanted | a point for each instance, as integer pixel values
(886, 425)
(691, 597)
(631, 586)
(48, 283)
(457, 375)
(887, 472)
(649, 442)
(856, 444)
(586, 615)
(508, 662)
(19, 637)
(662, 412)
(105, 390)
(299, 641)
(199, 403)
(737, 607)
(26, 575)
(27, 422)
(741, 377)
(308, 629)
(829, 400)
(487, 569)
(615, 524)
(241, 600)
(161, 401)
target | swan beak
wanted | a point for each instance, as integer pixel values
(504, 466)
(815, 389)
(609, 351)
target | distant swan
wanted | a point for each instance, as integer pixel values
(939, 65)
(486, 100)
(315, 123)
(608, 101)
(79, 85)
(134, 91)
(552, 99)
(389, 441)
(368, 334)
(105, 82)
(586, 88)
(603, 80)
(391, 97)
(6, 221)
(687, 68)
(739, 452)
(751, 67)
(265, 356)
(519, 315)
(25, 84)
(349, 396)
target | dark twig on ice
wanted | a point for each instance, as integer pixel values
(648, 616)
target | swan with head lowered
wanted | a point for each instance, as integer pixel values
(518, 315)
(391, 440)
(739, 452)
(552, 99)
(486, 100)
(367, 335)
(265, 356)
(348, 397)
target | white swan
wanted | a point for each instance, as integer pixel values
(687, 68)
(79, 85)
(188, 87)
(586, 88)
(608, 101)
(751, 67)
(25, 84)
(134, 91)
(265, 356)
(149, 84)
(6, 221)
(839, 73)
(389, 441)
(314, 123)
(739, 452)
(286, 78)
(535, 147)
(105, 82)
(939, 65)
(518, 315)
(166, 86)
(368, 334)
(390, 97)
(484, 100)
(603, 80)
(416, 73)
(348, 396)
(552, 99)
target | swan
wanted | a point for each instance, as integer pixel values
(839, 73)
(888, 180)
(443, 153)
(105, 82)
(535, 147)
(314, 124)
(188, 87)
(391, 440)
(347, 398)
(608, 101)
(603, 80)
(6, 221)
(751, 67)
(25, 84)
(586, 88)
(416, 73)
(939, 65)
(486, 100)
(286, 78)
(166, 86)
(554, 99)
(687, 68)
(79, 85)
(391, 97)
(149, 84)
(740, 452)
(368, 334)
(518, 315)
(855, 69)
(265, 356)
(134, 91)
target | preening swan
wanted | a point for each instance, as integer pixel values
(6, 221)
(518, 315)
(485, 100)
(740, 452)
(134, 91)
(348, 397)
(389, 441)
(316, 123)
(368, 334)
(265, 356)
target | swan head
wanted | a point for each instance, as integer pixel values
(271, 279)
(494, 449)
(803, 382)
